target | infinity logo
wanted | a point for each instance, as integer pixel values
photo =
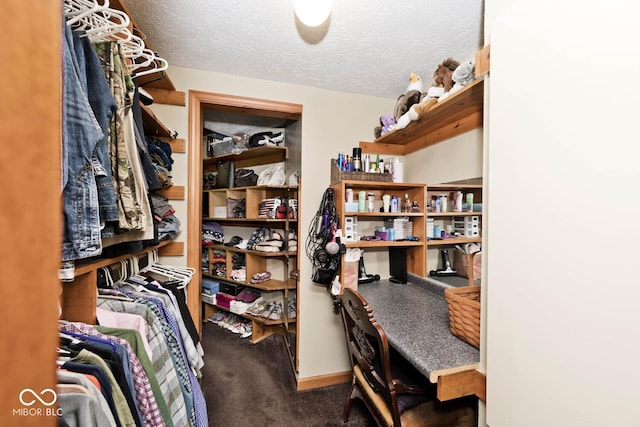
(38, 397)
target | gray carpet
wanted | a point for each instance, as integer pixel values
(248, 384)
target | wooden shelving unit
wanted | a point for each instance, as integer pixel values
(416, 192)
(459, 113)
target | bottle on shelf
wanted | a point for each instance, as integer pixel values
(381, 166)
(377, 165)
(407, 203)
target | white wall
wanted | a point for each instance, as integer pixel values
(331, 122)
(562, 303)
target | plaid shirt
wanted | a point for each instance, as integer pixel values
(160, 358)
(144, 395)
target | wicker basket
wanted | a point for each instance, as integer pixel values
(337, 175)
(464, 313)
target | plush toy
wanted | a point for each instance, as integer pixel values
(442, 75)
(461, 76)
(413, 95)
(387, 122)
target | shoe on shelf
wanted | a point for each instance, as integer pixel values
(276, 313)
(291, 310)
(258, 307)
(217, 317)
(247, 330)
(260, 277)
(267, 311)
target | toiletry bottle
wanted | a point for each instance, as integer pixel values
(377, 163)
(381, 165)
(397, 171)
(367, 164)
(407, 203)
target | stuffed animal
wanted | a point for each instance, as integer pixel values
(413, 95)
(442, 75)
(462, 76)
(387, 122)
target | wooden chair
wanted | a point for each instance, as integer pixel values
(382, 383)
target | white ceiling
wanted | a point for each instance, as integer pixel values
(366, 46)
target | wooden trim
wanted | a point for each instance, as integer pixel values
(462, 383)
(194, 209)
(386, 149)
(465, 124)
(167, 97)
(241, 104)
(324, 380)
(175, 192)
(483, 62)
(31, 216)
(198, 100)
(178, 145)
(172, 249)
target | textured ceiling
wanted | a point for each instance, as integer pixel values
(366, 46)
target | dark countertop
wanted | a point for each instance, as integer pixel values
(415, 318)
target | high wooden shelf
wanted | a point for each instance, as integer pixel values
(250, 157)
(459, 113)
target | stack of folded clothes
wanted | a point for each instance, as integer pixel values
(212, 233)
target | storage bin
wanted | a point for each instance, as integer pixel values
(337, 175)
(464, 313)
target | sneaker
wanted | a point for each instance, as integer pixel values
(217, 317)
(291, 310)
(260, 277)
(276, 313)
(267, 311)
(258, 307)
(247, 330)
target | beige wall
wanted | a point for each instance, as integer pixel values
(332, 122)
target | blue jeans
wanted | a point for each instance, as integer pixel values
(80, 135)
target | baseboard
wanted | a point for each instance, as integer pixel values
(324, 380)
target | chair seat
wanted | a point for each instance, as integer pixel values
(429, 413)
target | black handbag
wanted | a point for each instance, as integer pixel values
(245, 178)
(226, 174)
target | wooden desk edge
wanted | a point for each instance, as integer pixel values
(460, 381)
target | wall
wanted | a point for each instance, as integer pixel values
(562, 316)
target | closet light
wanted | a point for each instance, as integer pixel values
(312, 12)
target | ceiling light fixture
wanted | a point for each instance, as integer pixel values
(312, 12)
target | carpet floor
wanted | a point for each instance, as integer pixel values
(248, 384)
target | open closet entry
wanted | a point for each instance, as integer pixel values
(255, 113)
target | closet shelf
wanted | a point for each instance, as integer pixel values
(270, 285)
(251, 157)
(91, 264)
(248, 221)
(459, 113)
(152, 126)
(248, 251)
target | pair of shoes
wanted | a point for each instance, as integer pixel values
(268, 309)
(258, 307)
(217, 317)
(291, 310)
(260, 277)
(276, 313)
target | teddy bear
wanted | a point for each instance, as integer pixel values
(442, 76)
(387, 122)
(461, 76)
